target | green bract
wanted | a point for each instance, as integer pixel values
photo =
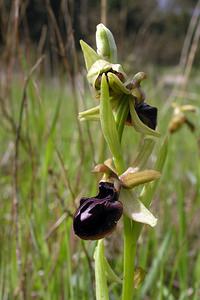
(116, 84)
(108, 124)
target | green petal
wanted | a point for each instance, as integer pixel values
(117, 85)
(90, 114)
(131, 178)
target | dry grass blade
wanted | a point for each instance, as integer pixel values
(65, 175)
(189, 35)
(56, 225)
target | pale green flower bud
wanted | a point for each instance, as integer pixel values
(106, 47)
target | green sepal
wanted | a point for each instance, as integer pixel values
(138, 124)
(89, 54)
(106, 47)
(134, 209)
(108, 125)
(89, 118)
(90, 114)
(100, 66)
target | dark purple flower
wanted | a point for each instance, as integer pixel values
(98, 216)
(147, 114)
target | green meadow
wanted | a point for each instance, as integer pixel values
(46, 159)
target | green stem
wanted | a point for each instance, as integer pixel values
(130, 236)
(132, 232)
(100, 276)
(129, 259)
(112, 128)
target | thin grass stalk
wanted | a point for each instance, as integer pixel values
(104, 12)
(187, 57)
(188, 39)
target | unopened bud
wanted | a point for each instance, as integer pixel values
(106, 46)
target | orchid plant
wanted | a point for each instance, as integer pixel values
(121, 103)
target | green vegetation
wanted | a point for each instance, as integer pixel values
(53, 172)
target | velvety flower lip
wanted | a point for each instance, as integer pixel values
(147, 114)
(98, 216)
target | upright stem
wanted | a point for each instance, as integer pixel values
(112, 127)
(129, 259)
(130, 236)
(100, 276)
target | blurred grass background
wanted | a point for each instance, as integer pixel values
(46, 155)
